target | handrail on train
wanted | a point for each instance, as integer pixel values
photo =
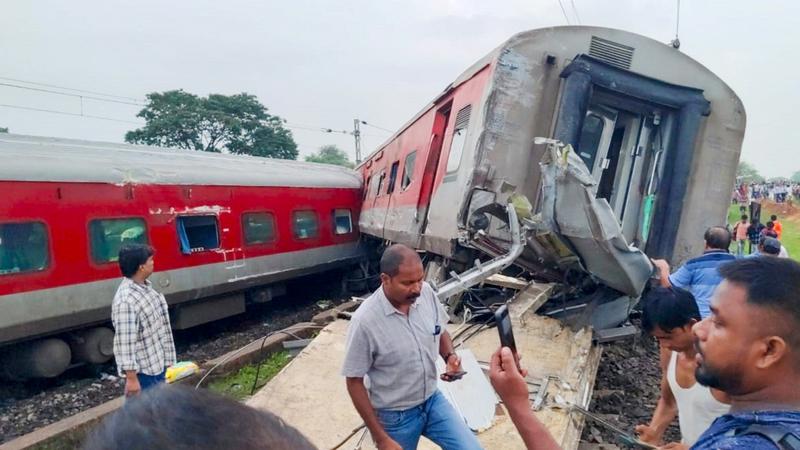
(481, 271)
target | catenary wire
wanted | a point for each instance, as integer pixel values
(67, 94)
(564, 11)
(575, 9)
(53, 111)
(17, 80)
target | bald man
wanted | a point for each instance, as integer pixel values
(700, 275)
(393, 340)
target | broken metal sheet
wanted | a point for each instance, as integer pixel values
(570, 209)
(472, 396)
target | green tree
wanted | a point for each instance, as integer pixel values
(233, 123)
(3, 130)
(747, 173)
(331, 154)
(796, 177)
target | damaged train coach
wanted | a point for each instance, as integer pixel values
(612, 147)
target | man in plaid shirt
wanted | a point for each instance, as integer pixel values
(143, 345)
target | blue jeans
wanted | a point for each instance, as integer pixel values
(151, 381)
(435, 419)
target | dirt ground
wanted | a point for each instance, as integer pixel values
(627, 389)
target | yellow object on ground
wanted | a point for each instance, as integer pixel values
(181, 370)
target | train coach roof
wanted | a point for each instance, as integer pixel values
(30, 158)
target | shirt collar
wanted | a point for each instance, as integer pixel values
(147, 284)
(388, 308)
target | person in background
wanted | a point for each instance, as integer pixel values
(700, 275)
(181, 418)
(770, 247)
(740, 234)
(754, 234)
(668, 314)
(769, 231)
(777, 225)
(143, 343)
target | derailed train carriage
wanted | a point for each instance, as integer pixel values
(228, 231)
(624, 147)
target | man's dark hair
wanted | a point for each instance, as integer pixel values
(181, 418)
(771, 283)
(131, 256)
(770, 225)
(668, 308)
(393, 257)
(718, 238)
(773, 217)
(744, 216)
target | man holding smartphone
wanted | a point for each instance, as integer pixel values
(393, 341)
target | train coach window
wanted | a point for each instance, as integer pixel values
(23, 247)
(589, 141)
(198, 233)
(380, 183)
(259, 228)
(392, 177)
(342, 221)
(459, 138)
(408, 170)
(106, 236)
(366, 188)
(305, 224)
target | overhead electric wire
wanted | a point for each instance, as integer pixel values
(53, 111)
(564, 11)
(375, 126)
(88, 97)
(17, 80)
(575, 9)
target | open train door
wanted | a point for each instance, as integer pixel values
(643, 171)
(438, 133)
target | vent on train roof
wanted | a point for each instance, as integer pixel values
(617, 55)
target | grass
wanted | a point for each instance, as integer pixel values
(239, 385)
(789, 217)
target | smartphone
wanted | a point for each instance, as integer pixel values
(504, 328)
(453, 376)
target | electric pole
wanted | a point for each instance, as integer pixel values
(357, 136)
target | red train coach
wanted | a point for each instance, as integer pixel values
(648, 142)
(226, 229)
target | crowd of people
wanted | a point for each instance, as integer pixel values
(726, 325)
(779, 192)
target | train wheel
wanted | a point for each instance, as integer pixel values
(93, 346)
(45, 358)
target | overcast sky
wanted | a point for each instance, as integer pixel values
(322, 63)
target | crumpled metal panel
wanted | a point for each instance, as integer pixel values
(570, 209)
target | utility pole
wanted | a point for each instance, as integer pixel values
(357, 136)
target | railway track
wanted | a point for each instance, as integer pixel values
(26, 406)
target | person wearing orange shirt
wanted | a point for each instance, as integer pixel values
(778, 227)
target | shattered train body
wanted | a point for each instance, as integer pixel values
(611, 147)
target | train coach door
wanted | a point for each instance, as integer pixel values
(438, 133)
(595, 140)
